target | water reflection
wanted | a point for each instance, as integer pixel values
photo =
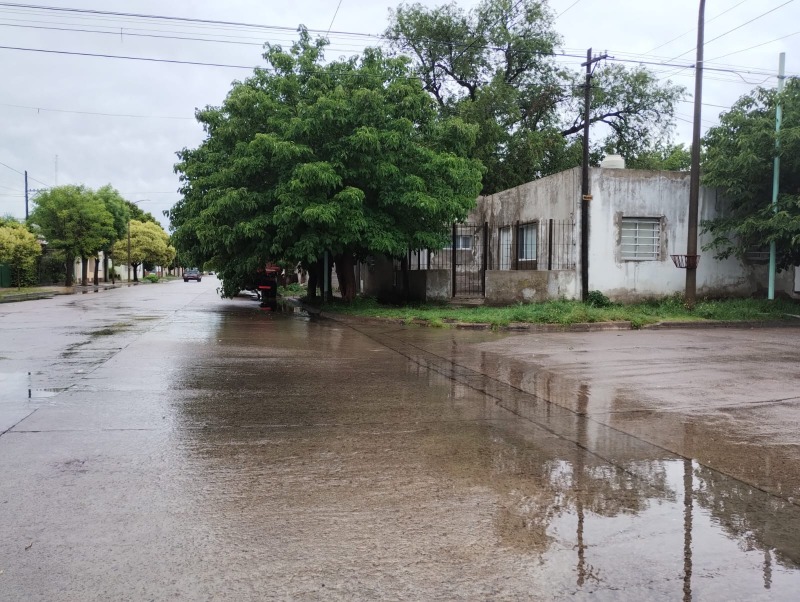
(358, 445)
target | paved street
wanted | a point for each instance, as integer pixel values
(161, 443)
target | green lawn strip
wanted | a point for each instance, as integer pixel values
(575, 312)
(29, 290)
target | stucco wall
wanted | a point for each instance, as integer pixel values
(504, 287)
(429, 285)
(654, 194)
(554, 197)
(378, 277)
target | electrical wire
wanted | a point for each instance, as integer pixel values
(85, 11)
(4, 104)
(692, 30)
(336, 12)
(566, 9)
(722, 35)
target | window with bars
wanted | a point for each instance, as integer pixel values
(640, 238)
(463, 243)
(526, 242)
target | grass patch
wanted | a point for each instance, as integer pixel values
(670, 309)
(292, 290)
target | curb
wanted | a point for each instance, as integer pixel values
(536, 327)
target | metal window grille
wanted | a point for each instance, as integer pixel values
(557, 245)
(640, 239)
(504, 242)
(526, 242)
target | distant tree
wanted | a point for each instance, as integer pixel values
(19, 249)
(669, 157)
(72, 219)
(148, 243)
(495, 67)
(120, 212)
(739, 161)
(348, 157)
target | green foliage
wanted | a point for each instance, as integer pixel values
(739, 162)
(73, 220)
(669, 157)
(669, 309)
(19, 249)
(292, 290)
(151, 278)
(148, 244)
(494, 66)
(598, 299)
(348, 156)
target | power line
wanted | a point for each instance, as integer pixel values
(756, 46)
(692, 30)
(22, 173)
(772, 10)
(122, 33)
(130, 58)
(336, 12)
(4, 104)
(85, 11)
(566, 9)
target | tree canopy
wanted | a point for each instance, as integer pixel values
(148, 243)
(739, 156)
(73, 219)
(19, 249)
(349, 157)
(495, 67)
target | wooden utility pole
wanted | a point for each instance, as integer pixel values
(585, 195)
(694, 176)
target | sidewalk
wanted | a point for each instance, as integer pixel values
(728, 398)
(48, 292)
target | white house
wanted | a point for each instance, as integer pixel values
(523, 244)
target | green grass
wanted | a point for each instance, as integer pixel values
(670, 309)
(292, 290)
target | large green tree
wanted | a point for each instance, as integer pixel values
(147, 243)
(19, 249)
(73, 220)
(739, 158)
(495, 66)
(349, 157)
(120, 211)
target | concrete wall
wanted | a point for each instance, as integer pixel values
(378, 277)
(554, 197)
(429, 285)
(504, 287)
(619, 193)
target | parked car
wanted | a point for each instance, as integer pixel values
(192, 274)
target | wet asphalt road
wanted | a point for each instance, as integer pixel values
(161, 443)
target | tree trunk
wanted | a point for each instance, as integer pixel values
(406, 284)
(313, 278)
(70, 277)
(96, 280)
(105, 266)
(84, 270)
(135, 267)
(345, 271)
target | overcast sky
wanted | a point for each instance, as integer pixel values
(88, 120)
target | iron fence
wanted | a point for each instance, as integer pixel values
(537, 245)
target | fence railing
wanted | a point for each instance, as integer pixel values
(546, 244)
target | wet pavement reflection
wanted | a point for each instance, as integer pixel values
(224, 450)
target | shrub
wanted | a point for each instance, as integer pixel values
(151, 278)
(598, 299)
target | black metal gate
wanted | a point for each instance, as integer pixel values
(468, 259)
